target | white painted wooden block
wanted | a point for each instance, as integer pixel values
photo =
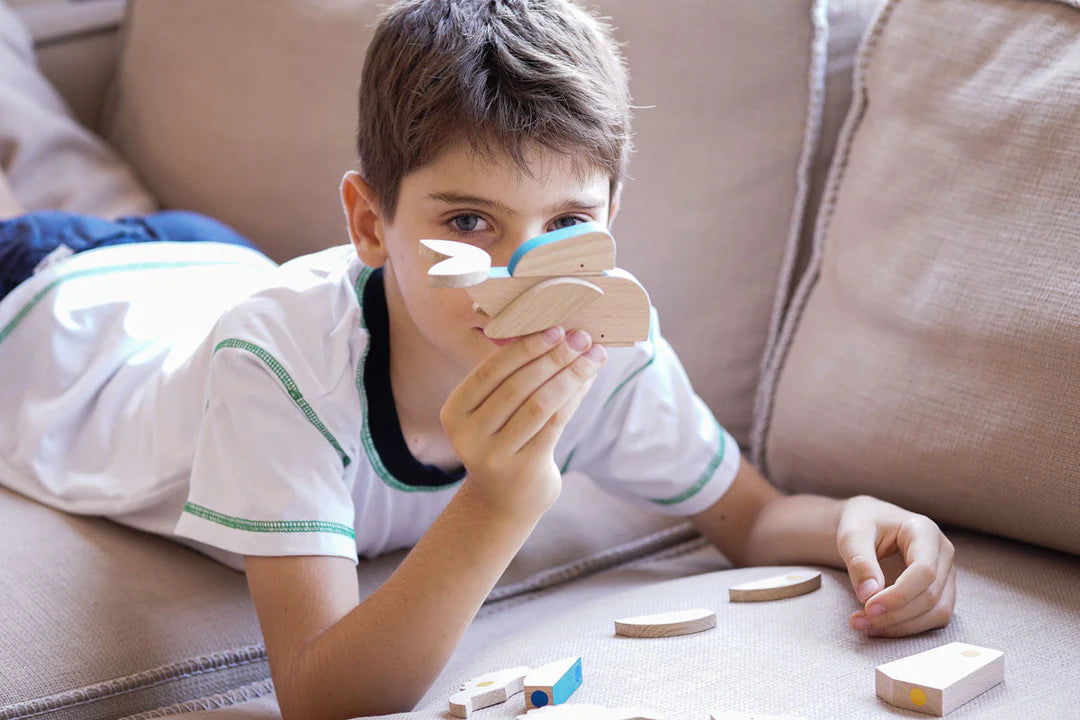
(553, 683)
(573, 711)
(790, 584)
(938, 681)
(487, 690)
(668, 624)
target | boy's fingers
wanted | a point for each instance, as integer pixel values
(856, 540)
(937, 617)
(489, 374)
(524, 382)
(878, 618)
(551, 405)
(920, 541)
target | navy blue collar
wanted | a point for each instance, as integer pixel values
(382, 413)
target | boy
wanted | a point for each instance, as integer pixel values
(287, 420)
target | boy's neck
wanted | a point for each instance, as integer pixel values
(421, 380)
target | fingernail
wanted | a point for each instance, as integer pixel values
(876, 609)
(860, 623)
(553, 335)
(578, 340)
(868, 588)
(597, 354)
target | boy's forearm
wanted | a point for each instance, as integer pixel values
(796, 529)
(386, 652)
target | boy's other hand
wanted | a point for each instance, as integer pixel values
(505, 417)
(923, 596)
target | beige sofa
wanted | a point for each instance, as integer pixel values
(860, 229)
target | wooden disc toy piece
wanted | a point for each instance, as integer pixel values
(546, 304)
(938, 681)
(668, 624)
(457, 264)
(790, 584)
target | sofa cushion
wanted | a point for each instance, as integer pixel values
(52, 162)
(932, 353)
(794, 657)
(257, 128)
(101, 621)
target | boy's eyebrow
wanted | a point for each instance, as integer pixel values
(455, 198)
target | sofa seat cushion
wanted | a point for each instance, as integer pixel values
(101, 621)
(795, 656)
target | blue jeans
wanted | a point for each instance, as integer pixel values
(26, 240)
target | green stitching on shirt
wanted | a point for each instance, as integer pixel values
(365, 430)
(705, 476)
(290, 387)
(158, 265)
(611, 397)
(269, 526)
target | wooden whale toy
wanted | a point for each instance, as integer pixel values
(566, 277)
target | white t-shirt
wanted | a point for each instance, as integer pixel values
(201, 392)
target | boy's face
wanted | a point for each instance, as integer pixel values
(461, 196)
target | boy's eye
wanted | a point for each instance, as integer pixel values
(466, 223)
(560, 224)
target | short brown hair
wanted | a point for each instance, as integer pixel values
(502, 75)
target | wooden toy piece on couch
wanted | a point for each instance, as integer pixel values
(938, 681)
(487, 690)
(558, 278)
(553, 683)
(776, 588)
(669, 624)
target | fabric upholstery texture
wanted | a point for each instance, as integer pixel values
(932, 353)
(51, 161)
(123, 622)
(795, 656)
(720, 139)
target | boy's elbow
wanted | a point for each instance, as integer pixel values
(302, 695)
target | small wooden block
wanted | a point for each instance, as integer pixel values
(730, 715)
(796, 582)
(582, 249)
(553, 683)
(457, 264)
(546, 304)
(669, 624)
(487, 690)
(573, 711)
(938, 681)
(620, 316)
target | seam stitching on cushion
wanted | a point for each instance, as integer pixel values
(815, 109)
(245, 693)
(611, 557)
(837, 170)
(683, 548)
(130, 683)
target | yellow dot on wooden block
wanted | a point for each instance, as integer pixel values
(793, 577)
(970, 653)
(918, 697)
(485, 683)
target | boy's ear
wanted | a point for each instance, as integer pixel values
(613, 210)
(364, 219)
